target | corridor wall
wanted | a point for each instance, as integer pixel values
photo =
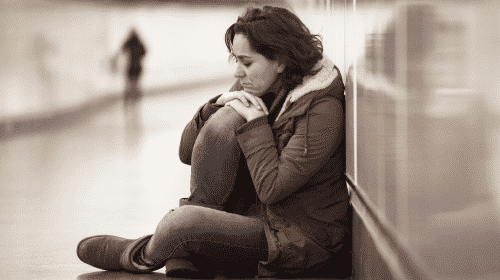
(56, 55)
(422, 133)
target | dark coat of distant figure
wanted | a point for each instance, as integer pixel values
(136, 52)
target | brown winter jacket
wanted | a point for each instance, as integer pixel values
(297, 167)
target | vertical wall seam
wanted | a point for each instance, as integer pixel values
(354, 98)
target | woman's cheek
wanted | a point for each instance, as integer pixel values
(257, 87)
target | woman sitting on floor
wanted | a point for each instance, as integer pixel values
(268, 194)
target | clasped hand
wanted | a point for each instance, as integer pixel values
(247, 105)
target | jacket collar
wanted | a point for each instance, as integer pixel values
(320, 80)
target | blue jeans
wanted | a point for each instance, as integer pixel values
(194, 231)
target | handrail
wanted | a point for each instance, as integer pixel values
(398, 257)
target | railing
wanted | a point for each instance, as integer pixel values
(402, 263)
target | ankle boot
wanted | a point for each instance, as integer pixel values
(114, 253)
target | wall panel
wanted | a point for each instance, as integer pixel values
(422, 130)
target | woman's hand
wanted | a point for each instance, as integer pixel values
(246, 98)
(247, 112)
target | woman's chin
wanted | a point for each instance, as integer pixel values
(253, 92)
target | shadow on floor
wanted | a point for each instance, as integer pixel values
(109, 275)
(99, 275)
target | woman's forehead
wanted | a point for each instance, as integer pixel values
(241, 47)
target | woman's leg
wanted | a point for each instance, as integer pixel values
(192, 231)
(215, 160)
(185, 233)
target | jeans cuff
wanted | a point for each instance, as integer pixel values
(185, 201)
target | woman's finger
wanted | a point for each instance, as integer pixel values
(260, 105)
(236, 105)
(243, 100)
(256, 101)
(263, 105)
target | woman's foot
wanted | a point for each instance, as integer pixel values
(114, 253)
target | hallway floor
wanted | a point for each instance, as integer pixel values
(117, 172)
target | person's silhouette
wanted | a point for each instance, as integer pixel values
(136, 51)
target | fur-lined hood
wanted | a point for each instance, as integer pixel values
(321, 80)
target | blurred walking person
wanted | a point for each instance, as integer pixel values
(136, 52)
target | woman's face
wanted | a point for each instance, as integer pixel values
(255, 71)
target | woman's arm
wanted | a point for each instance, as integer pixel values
(277, 176)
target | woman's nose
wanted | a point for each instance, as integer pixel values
(239, 73)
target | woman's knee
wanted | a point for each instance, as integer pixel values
(180, 221)
(225, 121)
(173, 232)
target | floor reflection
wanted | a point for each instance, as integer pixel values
(134, 127)
(115, 171)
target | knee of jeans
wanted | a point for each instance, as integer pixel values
(225, 120)
(181, 221)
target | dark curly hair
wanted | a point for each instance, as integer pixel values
(279, 35)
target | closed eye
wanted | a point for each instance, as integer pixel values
(245, 63)
(243, 59)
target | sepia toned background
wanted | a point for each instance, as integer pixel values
(423, 127)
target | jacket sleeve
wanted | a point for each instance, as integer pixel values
(194, 126)
(275, 176)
